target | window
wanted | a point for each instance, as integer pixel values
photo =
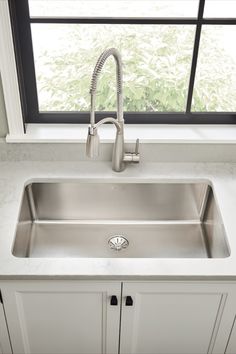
(179, 61)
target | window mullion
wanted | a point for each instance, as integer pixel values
(195, 55)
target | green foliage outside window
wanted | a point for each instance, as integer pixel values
(157, 64)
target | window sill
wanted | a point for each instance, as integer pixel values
(160, 134)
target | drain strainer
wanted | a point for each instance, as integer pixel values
(118, 242)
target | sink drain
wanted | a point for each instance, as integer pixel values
(118, 242)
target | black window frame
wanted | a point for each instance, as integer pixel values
(21, 22)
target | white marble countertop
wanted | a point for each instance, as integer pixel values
(14, 176)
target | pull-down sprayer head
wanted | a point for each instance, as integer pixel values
(92, 144)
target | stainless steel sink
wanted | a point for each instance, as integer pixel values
(155, 220)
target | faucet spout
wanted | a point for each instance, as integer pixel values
(119, 80)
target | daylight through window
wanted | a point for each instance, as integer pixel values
(178, 56)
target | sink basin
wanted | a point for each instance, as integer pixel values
(156, 220)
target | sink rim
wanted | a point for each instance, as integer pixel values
(156, 181)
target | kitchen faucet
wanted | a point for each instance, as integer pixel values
(119, 157)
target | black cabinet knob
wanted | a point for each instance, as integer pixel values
(114, 301)
(129, 301)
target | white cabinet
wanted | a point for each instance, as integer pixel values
(62, 317)
(76, 317)
(171, 318)
(5, 347)
(231, 346)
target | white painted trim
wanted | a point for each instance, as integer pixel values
(150, 133)
(9, 73)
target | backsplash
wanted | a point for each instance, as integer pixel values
(149, 152)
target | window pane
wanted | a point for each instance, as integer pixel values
(220, 8)
(114, 8)
(157, 61)
(215, 85)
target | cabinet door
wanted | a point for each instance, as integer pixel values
(231, 347)
(5, 347)
(169, 318)
(62, 317)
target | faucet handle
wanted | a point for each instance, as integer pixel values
(136, 151)
(133, 156)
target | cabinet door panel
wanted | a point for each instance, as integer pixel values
(231, 347)
(63, 317)
(5, 347)
(168, 318)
